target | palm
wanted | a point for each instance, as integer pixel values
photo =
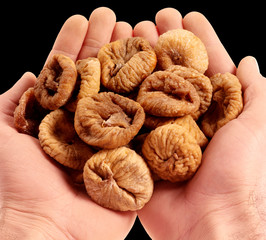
(31, 170)
(228, 161)
(36, 187)
(31, 174)
(225, 177)
(233, 162)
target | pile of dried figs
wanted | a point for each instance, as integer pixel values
(133, 115)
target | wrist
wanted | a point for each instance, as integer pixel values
(241, 221)
(22, 225)
(11, 230)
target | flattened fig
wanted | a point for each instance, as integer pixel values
(181, 47)
(29, 114)
(200, 82)
(188, 123)
(56, 82)
(165, 94)
(118, 179)
(108, 120)
(172, 153)
(88, 81)
(59, 140)
(125, 63)
(227, 103)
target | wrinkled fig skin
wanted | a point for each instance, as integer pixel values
(181, 47)
(186, 121)
(151, 122)
(126, 63)
(28, 114)
(89, 70)
(172, 153)
(59, 140)
(227, 103)
(108, 120)
(56, 82)
(88, 81)
(118, 179)
(201, 83)
(165, 94)
(192, 128)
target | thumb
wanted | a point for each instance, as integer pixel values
(248, 72)
(254, 88)
(26, 81)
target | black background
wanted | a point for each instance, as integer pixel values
(28, 31)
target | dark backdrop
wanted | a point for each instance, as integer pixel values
(28, 31)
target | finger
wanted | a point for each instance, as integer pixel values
(219, 60)
(248, 72)
(70, 38)
(122, 30)
(253, 86)
(26, 81)
(9, 99)
(168, 19)
(253, 116)
(147, 30)
(101, 25)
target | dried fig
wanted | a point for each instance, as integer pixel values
(125, 63)
(187, 122)
(136, 145)
(193, 129)
(118, 179)
(28, 114)
(181, 47)
(151, 122)
(56, 82)
(88, 82)
(227, 103)
(59, 140)
(166, 94)
(108, 120)
(200, 82)
(172, 153)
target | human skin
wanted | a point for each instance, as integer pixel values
(226, 199)
(37, 198)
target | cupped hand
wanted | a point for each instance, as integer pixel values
(226, 199)
(37, 199)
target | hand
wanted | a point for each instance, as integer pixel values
(226, 199)
(37, 199)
